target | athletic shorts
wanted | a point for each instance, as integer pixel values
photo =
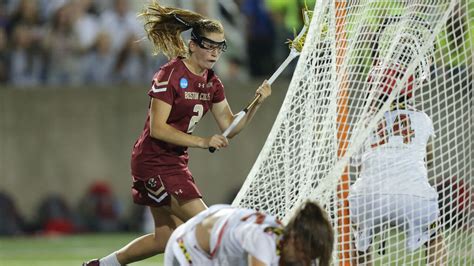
(156, 191)
(416, 216)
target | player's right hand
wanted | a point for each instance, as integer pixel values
(216, 141)
(264, 90)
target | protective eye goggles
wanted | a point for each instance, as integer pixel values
(208, 44)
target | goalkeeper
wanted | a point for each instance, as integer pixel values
(223, 235)
(392, 188)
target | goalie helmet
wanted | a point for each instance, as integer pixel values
(386, 78)
(400, 45)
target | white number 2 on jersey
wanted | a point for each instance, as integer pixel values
(199, 109)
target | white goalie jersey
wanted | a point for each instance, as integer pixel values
(393, 159)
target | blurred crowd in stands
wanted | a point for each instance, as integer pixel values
(82, 42)
(100, 210)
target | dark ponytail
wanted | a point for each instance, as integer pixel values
(312, 231)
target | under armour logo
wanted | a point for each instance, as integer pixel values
(179, 191)
(201, 85)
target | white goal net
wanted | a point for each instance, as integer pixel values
(377, 126)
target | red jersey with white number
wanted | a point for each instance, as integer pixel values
(190, 97)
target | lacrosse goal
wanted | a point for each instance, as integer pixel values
(328, 115)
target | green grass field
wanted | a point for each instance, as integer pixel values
(73, 250)
(64, 250)
(459, 246)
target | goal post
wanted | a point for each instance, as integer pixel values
(343, 223)
(365, 66)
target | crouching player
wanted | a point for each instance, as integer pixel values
(392, 189)
(224, 235)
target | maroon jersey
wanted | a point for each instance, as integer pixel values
(190, 97)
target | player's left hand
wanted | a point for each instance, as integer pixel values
(264, 90)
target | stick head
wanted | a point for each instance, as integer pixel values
(298, 42)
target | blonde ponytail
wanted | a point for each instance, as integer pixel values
(164, 26)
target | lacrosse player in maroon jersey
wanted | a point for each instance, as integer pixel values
(181, 92)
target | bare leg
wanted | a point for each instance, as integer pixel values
(185, 210)
(360, 257)
(436, 251)
(166, 220)
(151, 244)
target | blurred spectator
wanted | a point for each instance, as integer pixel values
(287, 17)
(135, 217)
(100, 209)
(24, 30)
(56, 42)
(86, 23)
(120, 23)
(4, 57)
(3, 14)
(63, 49)
(26, 13)
(456, 202)
(11, 223)
(103, 5)
(235, 59)
(26, 58)
(55, 216)
(132, 63)
(290, 13)
(283, 31)
(99, 62)
(232, 62)
(260, 38)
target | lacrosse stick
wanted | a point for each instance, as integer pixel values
(296, 46)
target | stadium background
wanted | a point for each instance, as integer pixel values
(60, 141)
(70, 118)
(73, 81)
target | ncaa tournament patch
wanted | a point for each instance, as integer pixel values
(183, 83)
